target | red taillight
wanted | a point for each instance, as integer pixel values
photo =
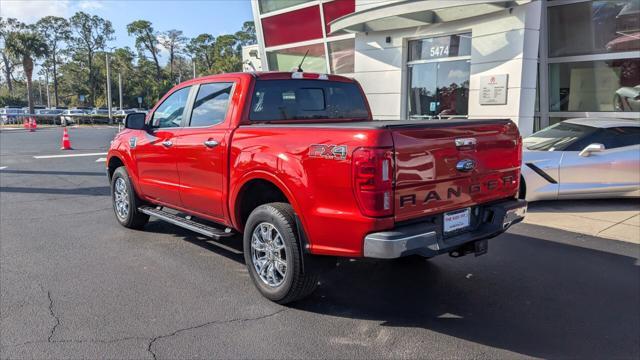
(373, 181)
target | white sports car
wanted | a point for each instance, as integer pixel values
(582, 159)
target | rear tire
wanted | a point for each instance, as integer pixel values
(125, 201)
(273, 257)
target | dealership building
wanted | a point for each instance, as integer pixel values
(536, 62)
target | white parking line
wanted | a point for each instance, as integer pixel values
(2, 167)
(101, 160)
(67, 155)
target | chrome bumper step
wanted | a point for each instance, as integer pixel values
(186, 222)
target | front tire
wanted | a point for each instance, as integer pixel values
(125, 201)
(273, 257)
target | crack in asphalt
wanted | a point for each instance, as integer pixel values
(152, 340)
(54, 316)
(215, 322)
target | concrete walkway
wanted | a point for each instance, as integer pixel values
(613, 219)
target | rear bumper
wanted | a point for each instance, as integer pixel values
(427, 238)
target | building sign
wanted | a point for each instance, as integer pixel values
(493, 89)
(440, 47)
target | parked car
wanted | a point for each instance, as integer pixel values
(140, 110)
(55, 111)
(71, 116)
(99, 111)
(123, 112)
(10, 114)
(25, 110)
(582, 159)
(295, 162)
(49, 111)
(49, 115)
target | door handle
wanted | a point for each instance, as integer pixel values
(211, 143)
(167, 143)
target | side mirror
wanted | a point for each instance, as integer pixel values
(592, 148)
(135, 121)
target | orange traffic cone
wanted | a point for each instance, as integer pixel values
(66, 143)
(26, 123)
(32, 124)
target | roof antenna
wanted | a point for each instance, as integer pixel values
(301, 61)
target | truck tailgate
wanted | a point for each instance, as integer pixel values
(435, 173)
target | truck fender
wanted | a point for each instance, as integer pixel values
(124, 157)
(260, 175)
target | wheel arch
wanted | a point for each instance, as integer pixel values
(113, 163)
(242, 202)
(116, 159)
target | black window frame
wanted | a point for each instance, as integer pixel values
(194, 97)
(186, 107)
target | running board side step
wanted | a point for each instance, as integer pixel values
(187, 223)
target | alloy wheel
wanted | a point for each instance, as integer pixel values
(269, 254)
(121, 198)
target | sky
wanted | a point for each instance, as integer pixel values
(193, 17)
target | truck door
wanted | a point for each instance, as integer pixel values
(202, 150)
(154, 150)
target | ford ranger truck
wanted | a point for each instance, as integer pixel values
(295, 163)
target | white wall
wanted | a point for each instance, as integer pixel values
(249, 62)
(504, 42)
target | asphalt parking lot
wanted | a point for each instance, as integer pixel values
(75, 284)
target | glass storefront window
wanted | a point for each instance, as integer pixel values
(440, 47)
(612, 85)
(594, 27)
(439, 89)
(273, 5)
(289, 59)
(341, 55)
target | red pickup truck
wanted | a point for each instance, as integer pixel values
(295, 163)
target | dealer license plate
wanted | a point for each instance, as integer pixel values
(456, 220)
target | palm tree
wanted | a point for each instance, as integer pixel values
(27, 46)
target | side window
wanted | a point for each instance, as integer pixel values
(211, 104)
(617, 137)
(169, 113)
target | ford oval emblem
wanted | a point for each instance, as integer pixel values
(466, 165)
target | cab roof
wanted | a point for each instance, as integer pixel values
(267, 75)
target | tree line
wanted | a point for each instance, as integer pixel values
(71, 56)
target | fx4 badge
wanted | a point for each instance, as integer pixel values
(336, 152)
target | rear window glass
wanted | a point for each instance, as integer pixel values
(306, 100)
